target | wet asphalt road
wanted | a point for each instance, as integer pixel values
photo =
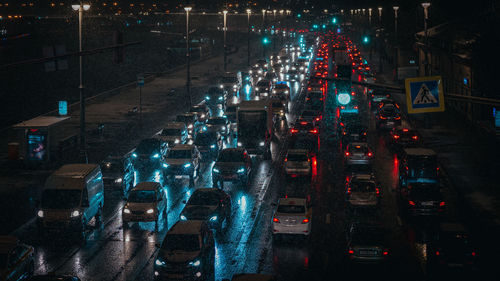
(114, 253)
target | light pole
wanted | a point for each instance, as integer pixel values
(188, 57)
(396, 57)
(426, 6)
(225, 46)
(274, 15)
(83, 146)
(263, 20)
(248, 37)
(379, 15)
(370, 16)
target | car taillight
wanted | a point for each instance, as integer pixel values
(349, 190)
(294, 131)
(442, 204)
(303, 123)
(314, 131)
(386, 253)
(382, 117)
(355, 107)
(415, 137)
(437, 253)
(342, 107)
(377, 190)
(405, 130)
(306, 220)
(370, 154)
(396, 136)
(347, 154)
(286, 159)
(318, 118)
(411, 203)
(397, 118)
(473, 254)
(276, 220)
(350, 251)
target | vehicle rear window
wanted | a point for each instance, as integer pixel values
(291, 209)
(362, 186)
(141, 196)
(297, 157)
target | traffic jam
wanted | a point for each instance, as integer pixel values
(284, 171)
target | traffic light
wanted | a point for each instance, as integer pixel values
(334, 20)
(265, 41)
(299, 16)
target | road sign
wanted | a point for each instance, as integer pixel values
(424, 94)
(63, 107)
(140, 81)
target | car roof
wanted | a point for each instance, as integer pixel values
(7, 243)
(174, 125)
(146, 185)
(293, 201)
(182, 147)
(186, 227)
(420, 151)
(75, 171)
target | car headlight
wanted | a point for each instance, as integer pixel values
(156, 156)
(262, 143)
(118, 180)
(212, 146)
(240, 144)
(250, 71)
(221, 98)
(241, 170)
(187, 165)
(183, 218)
(190, 126)
(75, 213)
(176, 141)
(256, 88)
(235, 86)
(165, 165)
(221, 86)
(195, 263)
(40, 214)
(274, 91)
(215, 170)
(286, 92)
(150, 211)
(213, 218)
(126, 211)
(134, 155)
(207, 98)
(159, 262)
(204, 128)
(202, 116)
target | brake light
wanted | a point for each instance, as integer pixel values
(355, 107)
(347, 154)
(377, 190)
(286, 159)
(306, 220)
(405, 130)
(370, 154)
(396, 136)
(318, 118)
(276, 220)
(415, 137)
(293, 131)
(397, 118)
(411, 203)
(342, 107)
(442, 204)
(437, 253)
(314, 131)
(303, 123)
(386, 253)
(473, 254)
(351, 252)
(382, 117)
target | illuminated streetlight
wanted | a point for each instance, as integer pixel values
(248, 37)
(188, 57)
(225, 46)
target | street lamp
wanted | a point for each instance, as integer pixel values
(83, 147)
(380, 15)
(370, 16)
(248, 37)
(274, 15)
(426, 6)
(225, 46)
(188, 57)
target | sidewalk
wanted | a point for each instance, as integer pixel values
(162, 99)
(470, 160)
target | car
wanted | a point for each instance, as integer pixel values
(54, 277)
(215, 96)
(278, 68)
(147, 202)
(118, 171)
(173, 133)
(315, 96)
(453, 248)
(229, 83)
(402, 137)
(263, 64)
(187, 253)
(149, 153)
(218, 124)
(292, 216)
(256, 72)
(302, 127)
(233, 164)
(418, 164)
(190, 120)
(362, 191)
(298, 162)
(354, 132)
(182, 160)
(422, 199)
(16, 259)
(314, 116)
(281, 89)
(388, 117)
(211, 205)
(305, 136)
(293, 75)
(366, 243)
(201, 110)
(271, 76)
(209, 145)
(263, 88)
(279, 107)
(358, 153)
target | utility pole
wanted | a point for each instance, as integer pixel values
(188, 58)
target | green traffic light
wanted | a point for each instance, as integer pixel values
(265, 40)
(334, 20)
(299, 16)
(366, 40)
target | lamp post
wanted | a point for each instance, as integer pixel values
(248, 37)
(225, 46)
(396, 45)
(274, 15)
(380, 15)
(426, 6)
(370, 16)
(188, 57)
(83, 146)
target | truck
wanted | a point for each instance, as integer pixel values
(255, 126)
(342, 64)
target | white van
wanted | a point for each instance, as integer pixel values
(72, 196)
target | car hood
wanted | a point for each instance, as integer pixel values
(133, 206)
(198, 212)
(228, 166)
(179, 256)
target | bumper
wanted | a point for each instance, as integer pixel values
(144, 217)
(234, 177)
(358, 161)
(297, 229)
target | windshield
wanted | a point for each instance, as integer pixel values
(362, 187)
(291, 209)
(181, 242)
(231, 156)
(216, 121)
(61, 198)
(171, 132)
(184, 118)
(141, 196)
(297, 157)
(179, 154)
(147, 146)
(204, 198)
(205, 139)
(229, 80)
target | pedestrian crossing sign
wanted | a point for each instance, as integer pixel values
(424, 94)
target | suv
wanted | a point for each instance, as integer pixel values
(233, 164)
(211, 205)
(146, 202)
(17, 259)
(149, 153)
(263, 88)
(403, 137)
(298, 163)
(118, 171)
(187, 253)
(362, 191)
(182, 160)
(418, 165)
(174, 133)
(190, 120)
(215, 97)
(201, 110)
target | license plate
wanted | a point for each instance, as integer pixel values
(390, 123)
(367, 253)
(427, 203)
(455, 265)
(178, 177)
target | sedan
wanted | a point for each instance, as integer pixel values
(209, 204)
(366, 243)
(292, 216)
(358, 153)
(362, 191)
